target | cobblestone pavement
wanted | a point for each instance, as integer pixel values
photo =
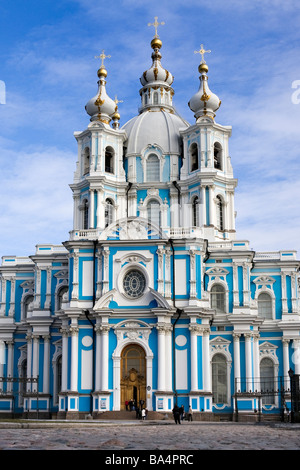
(148, 435)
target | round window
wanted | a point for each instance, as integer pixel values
(134, 283)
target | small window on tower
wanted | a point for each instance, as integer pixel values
(85, 215)
(217, 156)
(109, 212)
(86, 161)
(155, 98)
(194, 157)
(196, 211)
(220, 213)
(109, 160)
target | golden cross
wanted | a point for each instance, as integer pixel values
(102, 57)
(202, 51)
(117, 101)
(156, 24)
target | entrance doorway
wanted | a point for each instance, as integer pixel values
(133, 375)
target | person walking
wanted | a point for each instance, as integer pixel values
(190, 414)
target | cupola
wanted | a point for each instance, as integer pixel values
(204, 103)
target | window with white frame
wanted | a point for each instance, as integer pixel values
(86, 161)
(217, 156)
(153, 168)
(194, 157)
(267, 377)
(85, 224)
(109, 160)
(218, 298)
(220, 213)
(219, 379)
(153, 211)
(109, 212)
(195, 212)
(264, 306)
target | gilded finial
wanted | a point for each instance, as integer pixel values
(102, 56)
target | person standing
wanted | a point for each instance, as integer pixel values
(176, 414)
(190, 414)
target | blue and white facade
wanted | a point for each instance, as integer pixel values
(152, 297)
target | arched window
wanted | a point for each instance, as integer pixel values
(155, 98)
(217, 156)
(218, 298)
(60, 295)
(195, 209)
(219, 379)
(85, 215)
(194, 157)
(109, 212)
(264, 305)
(109, 160)
(267, 384)
(153, 210)
(86, 161)
(153, 171)
(220, 213)
(27, 302)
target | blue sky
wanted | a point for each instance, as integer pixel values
(48, 66)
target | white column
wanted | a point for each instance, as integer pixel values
(203, 217)
(98, 359)
(286, 364)
(92, 208)
(104, 358)
(248, 361)
(296, 355)
(206, 362)
(74, 357)
(237, 361)
(256, 368)
(194, 329)
(35, 359)
(169, 358)
(64, 384)
(29, 360)
(161, 358)
(46, 364)
(211, 206)
(12, 297)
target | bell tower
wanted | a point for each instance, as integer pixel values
(206, 170)
(99, 186)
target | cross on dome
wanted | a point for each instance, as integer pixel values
(156, 24)
(202, 51)
(102, 57)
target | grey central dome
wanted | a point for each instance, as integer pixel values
(154, 127)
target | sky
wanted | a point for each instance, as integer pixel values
(48, 72)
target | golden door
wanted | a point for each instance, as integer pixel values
(133, 376)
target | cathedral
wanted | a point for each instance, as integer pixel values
(152, 300)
